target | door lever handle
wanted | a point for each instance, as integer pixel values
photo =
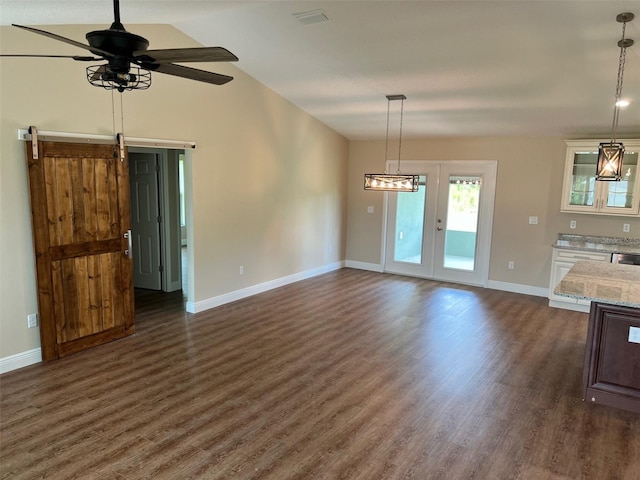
(439, 229)
(129, 251)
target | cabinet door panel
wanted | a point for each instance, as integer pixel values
(583, 194)
(612, 361)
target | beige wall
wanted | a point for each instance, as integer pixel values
(529, 183)
(268, 181)
(255, 150)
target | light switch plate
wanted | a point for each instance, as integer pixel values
(369, 209)
(634, 334)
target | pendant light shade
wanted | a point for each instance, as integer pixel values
(611, 154)
(390, 182)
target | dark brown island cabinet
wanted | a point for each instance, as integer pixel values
(612, 357)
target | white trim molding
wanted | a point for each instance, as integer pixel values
(202, 305)
(518, 288)
(19, 360)
(373, 267)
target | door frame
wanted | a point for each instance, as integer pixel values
(169, 205)
(417, 167)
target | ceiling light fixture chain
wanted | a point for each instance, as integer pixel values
(623, 43)
(611, 154)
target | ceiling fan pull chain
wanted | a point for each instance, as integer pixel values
(113, 114)
(121, 115)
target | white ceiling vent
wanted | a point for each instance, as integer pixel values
(313, 16)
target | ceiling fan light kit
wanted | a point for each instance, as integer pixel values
(611, 154)
(130, 63)
(135, 79)
(392, 182)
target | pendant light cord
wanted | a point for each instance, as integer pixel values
(400, 137)
(386, 144)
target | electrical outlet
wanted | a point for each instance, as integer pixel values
(241, 270)
(370, 209)
(533, 220)
(512, 265)
(626, 228)
(572, 224)
(32, 320)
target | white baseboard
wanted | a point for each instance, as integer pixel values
(576, 307)
(518, 288)
(495, 285)
(202, 305)
(19, 360)
(373, 267)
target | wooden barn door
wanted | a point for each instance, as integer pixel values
(80, 213)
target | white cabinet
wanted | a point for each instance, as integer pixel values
(582, 194)
(562, 262)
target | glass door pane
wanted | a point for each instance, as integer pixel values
(409, 229)
(462, 222)
(409, 232)
(583, 180)
(620, 194)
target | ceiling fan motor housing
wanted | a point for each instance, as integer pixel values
(120, 43)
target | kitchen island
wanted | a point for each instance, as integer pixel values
(612, 354)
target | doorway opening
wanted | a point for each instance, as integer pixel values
(159, 215)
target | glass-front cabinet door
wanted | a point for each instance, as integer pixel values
(581, 191)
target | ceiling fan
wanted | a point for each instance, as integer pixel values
(129, 63)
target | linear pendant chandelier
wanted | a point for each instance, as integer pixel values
(611, 154)
(392, 182)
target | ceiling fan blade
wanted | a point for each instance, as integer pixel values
(171, 55)
(60, 38)
(74, 57)
(188, 72)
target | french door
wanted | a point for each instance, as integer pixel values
(443, 231)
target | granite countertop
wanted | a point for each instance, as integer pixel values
(612, 283)
(590, 243)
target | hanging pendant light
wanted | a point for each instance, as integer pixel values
(611, 154)
(389, 182)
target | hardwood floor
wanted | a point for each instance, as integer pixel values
(350, 375)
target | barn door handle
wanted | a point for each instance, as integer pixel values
(129, 251)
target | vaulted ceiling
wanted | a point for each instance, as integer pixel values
(510, 67)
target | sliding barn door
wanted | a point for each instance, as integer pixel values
(80, 213)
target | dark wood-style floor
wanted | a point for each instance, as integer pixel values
(350, 375)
